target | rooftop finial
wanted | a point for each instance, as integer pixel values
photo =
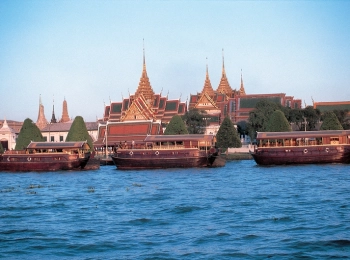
(144, 59)
(223, 62)
(207, 66)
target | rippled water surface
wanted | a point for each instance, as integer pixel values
(238, 211)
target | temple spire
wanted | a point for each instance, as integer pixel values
(41, 122)
(65, 116)
(224, 86)
(207, 88)
(53, 118)
(241, 89)
(223, 63)
(145, 87)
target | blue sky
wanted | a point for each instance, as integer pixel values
(90, 52)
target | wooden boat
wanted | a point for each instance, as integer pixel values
(47, 156)
(167, 151)
(276, 148)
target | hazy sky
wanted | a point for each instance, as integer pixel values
(90, 52)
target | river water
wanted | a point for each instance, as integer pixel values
(240, 211)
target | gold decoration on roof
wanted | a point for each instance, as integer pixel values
(145, 87)
(224, 86)
(207, 88)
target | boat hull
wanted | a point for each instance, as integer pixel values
(302, 155)
(150, 159)
(42, 162)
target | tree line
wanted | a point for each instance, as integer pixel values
(264, 119)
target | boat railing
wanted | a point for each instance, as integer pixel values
(299, 144)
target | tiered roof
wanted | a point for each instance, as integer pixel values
(207, 88)
(224, 87)
(144, 87)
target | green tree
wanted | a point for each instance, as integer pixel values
(29, 132)
(242, 128)
(330, 122)
(1, 148)
(343, 117)
(227, 135)
(195, 121)
(278, 123)
(78, 132)
(296, 117)
(312, 117)
(176, 126)
(259, 116)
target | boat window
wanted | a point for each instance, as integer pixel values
(334, 140)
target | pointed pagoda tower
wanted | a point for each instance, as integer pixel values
(224, 86)
(65, 116)
(241, 89)
(41, 122)
(144, 87)
(207, 88)
(53, 118)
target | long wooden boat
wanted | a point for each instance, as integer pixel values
(298, 147)
(167, 151)
(47, 156)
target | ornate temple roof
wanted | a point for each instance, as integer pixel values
(138, 110)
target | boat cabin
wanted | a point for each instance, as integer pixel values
(59, 147)
(199, 141)
(303, 138)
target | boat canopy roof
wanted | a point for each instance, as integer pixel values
(60, 145)
(173, 138)
(302, 134)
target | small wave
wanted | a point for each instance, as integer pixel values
(140, 221)
(250, 237)
(185, 209)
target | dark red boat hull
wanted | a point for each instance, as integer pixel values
(41, 162)
(302, 155)
(151, 159)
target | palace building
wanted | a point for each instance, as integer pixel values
(139, 115)
(330, 106)
(225, 101)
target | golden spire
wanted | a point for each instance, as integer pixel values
(241, 89)
(145, 87)
(207, 88)
(224, 85)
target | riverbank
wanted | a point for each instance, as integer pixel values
(237, 156)
(242, 153)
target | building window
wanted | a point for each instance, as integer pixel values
(52, 139)
(61, 138)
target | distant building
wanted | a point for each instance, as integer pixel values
(8, 136)
(330, 106)
(58, 132)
